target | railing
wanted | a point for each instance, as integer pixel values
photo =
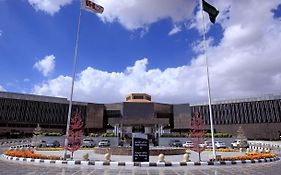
(263, 146)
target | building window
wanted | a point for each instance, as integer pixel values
(137, 97)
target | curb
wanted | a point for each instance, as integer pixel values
(138, 164)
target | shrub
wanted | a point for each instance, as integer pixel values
(49, 149)
(223, 150)
(93, 135)
(108, 135)
(102, 135)
(174, 135)
(218, 135)
(52, 134)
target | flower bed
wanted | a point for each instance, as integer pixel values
(30, 154)
(248, 156)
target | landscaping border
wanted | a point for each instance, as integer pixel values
(139, 164)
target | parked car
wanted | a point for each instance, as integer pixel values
(104, 143)
(88, 143)
(206, 144)
(220, 144)
(188, 144)
(53, 144)
(239, 144)
(175, 143)
(42, 144)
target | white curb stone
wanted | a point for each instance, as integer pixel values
(145, 164)
(99, 163)
(84, 162)
(204, 163)
(175, 163)
(115, 164)
(161, 164)
(189, 163)
(129, 164)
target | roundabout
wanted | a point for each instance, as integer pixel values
(17, 167)
(120, 156)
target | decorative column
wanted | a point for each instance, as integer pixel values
(156, 132)
(116, 130)
(121, 131)
(161, 130)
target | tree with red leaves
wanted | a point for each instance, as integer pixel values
(75, 133)
(197, 134)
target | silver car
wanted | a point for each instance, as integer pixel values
(88, 143)
(104, 143)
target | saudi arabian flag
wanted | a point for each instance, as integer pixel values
(211, 10)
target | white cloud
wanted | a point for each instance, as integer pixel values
(246, 62)
(2, 88)
(45, 65)
(135, 14)
(49, 6)
(176, 29)
(96, 85)
(26, 80)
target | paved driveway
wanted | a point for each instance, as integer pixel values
(18, 168)
(15, 168)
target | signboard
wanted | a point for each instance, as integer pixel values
(140, 146)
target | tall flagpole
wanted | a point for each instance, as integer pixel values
(208, 81)
(73, 79)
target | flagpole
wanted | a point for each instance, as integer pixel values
(208, 81)
(72, 83)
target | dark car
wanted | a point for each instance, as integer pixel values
(53, 144)
(42, 144)
(175, 143)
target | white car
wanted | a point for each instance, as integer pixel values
(104, 143)
(188, 144)
(220, 144)
(88, 143)
(240, 144)
(206, 144)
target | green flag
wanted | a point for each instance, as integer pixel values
(211, 10)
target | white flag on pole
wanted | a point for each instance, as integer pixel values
(92, 7)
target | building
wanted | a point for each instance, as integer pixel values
(260, 118)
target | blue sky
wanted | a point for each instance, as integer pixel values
(140, 46)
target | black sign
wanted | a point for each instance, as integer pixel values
(140, 147)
